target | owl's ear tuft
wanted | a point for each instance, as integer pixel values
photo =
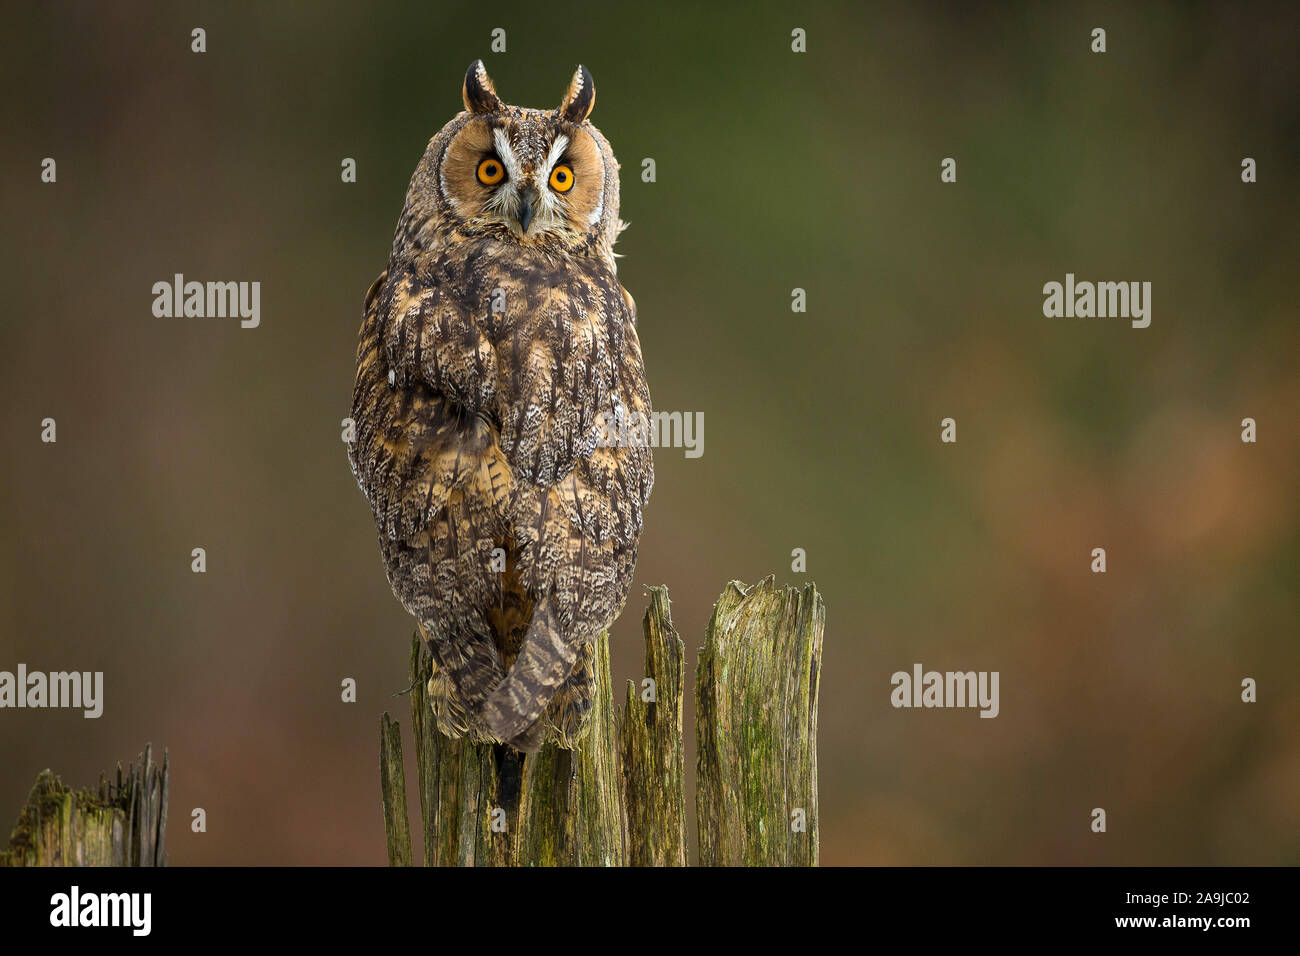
(580, 96)
(479, 94)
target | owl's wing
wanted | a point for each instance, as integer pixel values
(568, 368)
(555, 370)
(408, 450)
(439, 488)
(570, 362)
(576, 507)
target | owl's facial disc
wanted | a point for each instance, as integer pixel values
(530, 174)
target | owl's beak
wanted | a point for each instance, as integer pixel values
(530, 201)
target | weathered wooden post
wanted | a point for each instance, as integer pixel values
(651, 745)
(485, 805)
(122, 823)
(619, 799)
(756, 726)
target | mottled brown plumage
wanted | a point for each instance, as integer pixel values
(495, 349)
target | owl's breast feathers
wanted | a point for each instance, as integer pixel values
(508, 529)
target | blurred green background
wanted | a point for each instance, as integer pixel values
(775, 171)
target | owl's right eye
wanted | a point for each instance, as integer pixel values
(491, 172)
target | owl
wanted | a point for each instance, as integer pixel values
(498, 360)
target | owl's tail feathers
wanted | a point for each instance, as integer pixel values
(464, 672)
(568, 716)
(513, 710)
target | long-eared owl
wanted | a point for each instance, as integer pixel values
(496, 350)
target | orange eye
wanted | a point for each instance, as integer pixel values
(561, 179)
(491, 172)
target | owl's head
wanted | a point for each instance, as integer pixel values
(536, 177)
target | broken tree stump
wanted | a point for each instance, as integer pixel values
(756, 727)
(484, 805)
(121, 823)
(650, 738)
(620, 798)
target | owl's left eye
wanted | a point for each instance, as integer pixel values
(491, 172)
(561, 179)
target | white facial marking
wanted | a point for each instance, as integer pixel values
(557, 148)
(506, 153)
(600, 203)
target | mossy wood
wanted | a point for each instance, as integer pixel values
(121, 823)
(620, 798)
(756, 727)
